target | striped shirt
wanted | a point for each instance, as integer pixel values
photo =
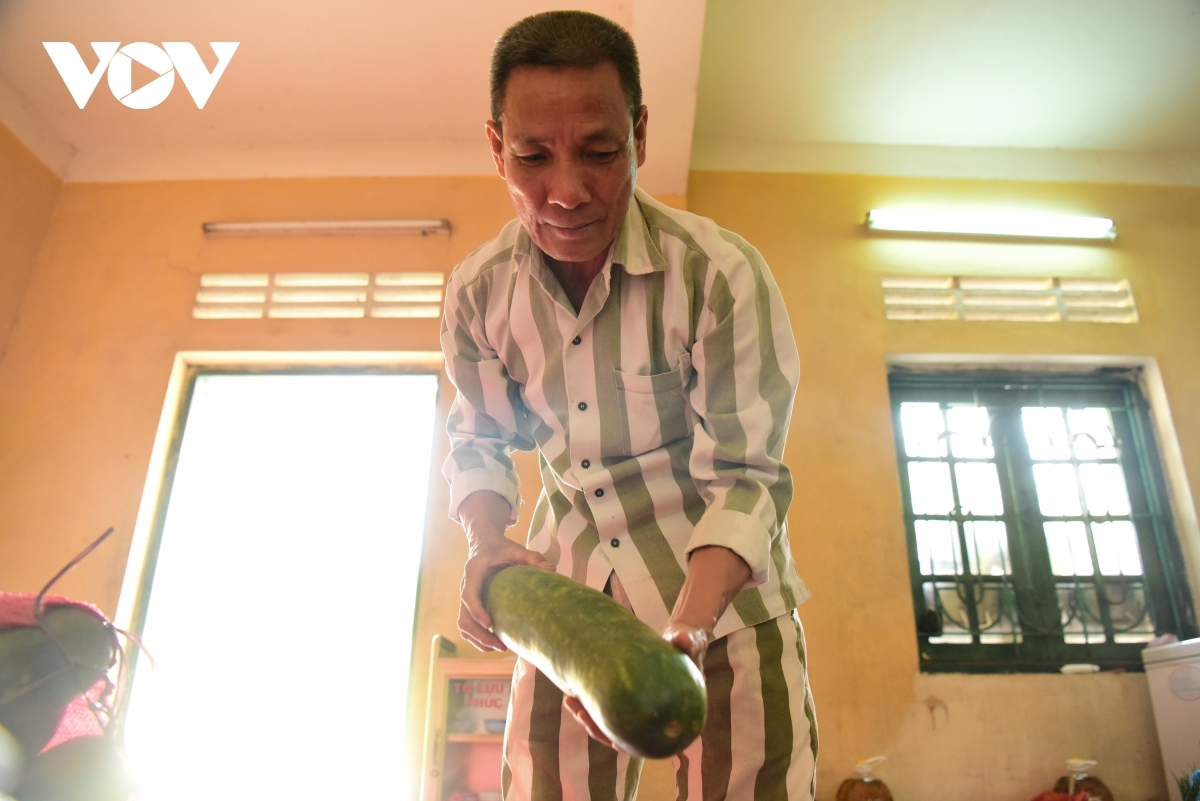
(659, 410)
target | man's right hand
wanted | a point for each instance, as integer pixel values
(484, 515)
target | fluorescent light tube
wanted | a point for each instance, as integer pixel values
(326, 227)
(969, 222)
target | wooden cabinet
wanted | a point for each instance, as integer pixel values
(467, 702)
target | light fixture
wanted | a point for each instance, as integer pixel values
(326, 227)
(979, 222)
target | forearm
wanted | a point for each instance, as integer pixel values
(484, 515)
(715, 575)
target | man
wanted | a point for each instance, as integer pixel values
(647, 355)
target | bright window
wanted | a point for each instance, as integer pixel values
(1050, 487)
(281, 602)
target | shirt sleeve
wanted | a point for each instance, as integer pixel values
(487, 419)
(747, 368)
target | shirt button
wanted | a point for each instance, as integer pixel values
(616, 543)
(582, 406)
(599, 493)
(586, 464)
(576, 340)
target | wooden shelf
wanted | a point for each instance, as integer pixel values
(455, 737)
(457, 761)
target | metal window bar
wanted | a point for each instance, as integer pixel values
(1090, 599)
(969, 587)
(1041, 603)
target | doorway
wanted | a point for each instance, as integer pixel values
(280, 599)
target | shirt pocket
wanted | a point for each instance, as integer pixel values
(654, 408)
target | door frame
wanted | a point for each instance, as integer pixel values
(138, 579)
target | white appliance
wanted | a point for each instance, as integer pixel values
(1173, 672)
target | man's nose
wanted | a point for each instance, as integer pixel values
(568, 187)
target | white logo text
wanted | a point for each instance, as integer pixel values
(172, 57)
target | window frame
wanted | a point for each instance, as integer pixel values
(1004, 392)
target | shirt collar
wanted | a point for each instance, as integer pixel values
(637, 248)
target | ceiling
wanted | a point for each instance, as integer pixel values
(1058, 89)
(1104, 88)
(370, 87)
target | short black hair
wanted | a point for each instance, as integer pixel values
(566, 39)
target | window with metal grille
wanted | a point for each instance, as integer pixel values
(1038, 528)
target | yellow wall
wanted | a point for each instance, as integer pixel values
(1006, 735)
(109, 303)
(28, 192)
(108, 307)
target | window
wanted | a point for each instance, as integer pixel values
(284, 583)
(1038, 527)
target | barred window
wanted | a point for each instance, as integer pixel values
(1038, 527)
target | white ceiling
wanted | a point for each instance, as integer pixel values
(1103, 88)
(367, 87)
(1058, 89)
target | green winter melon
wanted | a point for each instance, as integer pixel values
(645, 693)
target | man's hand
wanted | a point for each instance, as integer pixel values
(484, 516)
(692, 640)
(575, 707)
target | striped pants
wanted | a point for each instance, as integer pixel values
(760, 741)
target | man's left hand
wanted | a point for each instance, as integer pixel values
(575, 707)
(692, 640)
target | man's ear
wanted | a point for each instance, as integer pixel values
(496, 142)
(639, 134)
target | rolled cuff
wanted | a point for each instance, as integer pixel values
(740, 533)
(470, 481)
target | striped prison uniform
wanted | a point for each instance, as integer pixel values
(760, 741)
(659, 410)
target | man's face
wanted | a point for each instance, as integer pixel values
(569, 154)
